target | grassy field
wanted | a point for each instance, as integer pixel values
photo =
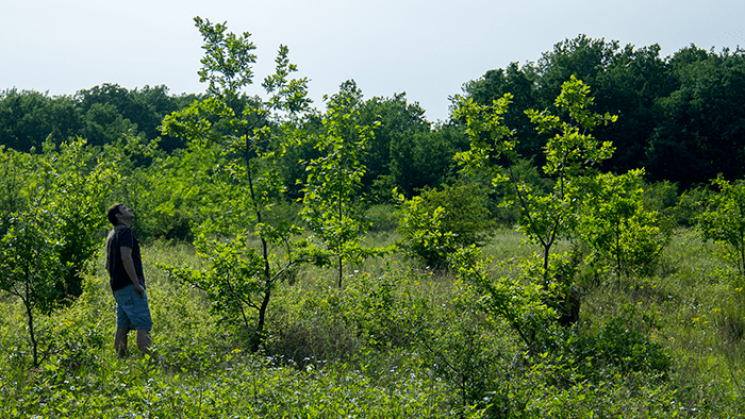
(398, 341)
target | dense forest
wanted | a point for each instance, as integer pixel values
(570, 243)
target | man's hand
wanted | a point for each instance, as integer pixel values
(129, 266)
(138, 288)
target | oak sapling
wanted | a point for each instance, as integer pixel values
(30, 266)
(332, 200)
(571, 153)
(239, 278)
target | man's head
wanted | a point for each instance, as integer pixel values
(118, 213)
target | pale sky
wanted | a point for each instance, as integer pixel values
(426, 48)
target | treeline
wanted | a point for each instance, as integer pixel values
(681, 117)
(101, 115)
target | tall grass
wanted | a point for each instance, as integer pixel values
(399, 340)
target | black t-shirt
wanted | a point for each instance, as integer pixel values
(121, 236)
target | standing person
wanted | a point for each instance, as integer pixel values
(124, 264)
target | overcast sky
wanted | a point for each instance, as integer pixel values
(426, 48)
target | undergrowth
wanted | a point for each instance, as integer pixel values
(396, 342)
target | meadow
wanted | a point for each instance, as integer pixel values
(398, 340)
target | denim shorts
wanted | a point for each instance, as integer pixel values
(132, 311)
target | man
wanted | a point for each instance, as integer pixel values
(124, 264)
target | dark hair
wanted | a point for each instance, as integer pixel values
(112, 212)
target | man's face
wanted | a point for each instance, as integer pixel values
(125, 213)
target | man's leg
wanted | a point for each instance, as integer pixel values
(120, 341)
(143, 341)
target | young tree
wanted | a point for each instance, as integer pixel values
(30, 269)
(623, 234)
(332, 198)
(51, 211)
(79, 181)
(437, 223)
(571, 153)
(30, 266)
(723, 220)
(241, 129)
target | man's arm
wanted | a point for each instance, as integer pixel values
(129, 266)
(108, 253)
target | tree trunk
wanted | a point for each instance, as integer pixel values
(32, 335)
(260, 335)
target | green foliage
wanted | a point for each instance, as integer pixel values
(28, 119)
(436, 223)
(50, 231)
(520, 303)
(80, 180)
(572, 151)
(699, 133)
(30, 265)
(331, 204)
(109, 111)
(464, 355)
(570, 155)
(138, 179)
(399, 342)
(689, 205)
(664, 198)
(385, 313)
(620, 349)
(723, 220)
(236, 134)
(227, 61)
(424, 232)
(398, 151)
(232, 278)
(615, 222)
(14, 170)
(101, 115)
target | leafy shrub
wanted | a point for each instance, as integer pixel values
(234, 277)
(518, 302)
(618, 348)
(623, 233)
(436, 223)
(723, 221)
(386, 315)
(690, 206)
(468, 358)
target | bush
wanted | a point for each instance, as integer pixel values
(723, 221)
(624, 234)
(436, 223)
(689, 205)
(618, 348)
